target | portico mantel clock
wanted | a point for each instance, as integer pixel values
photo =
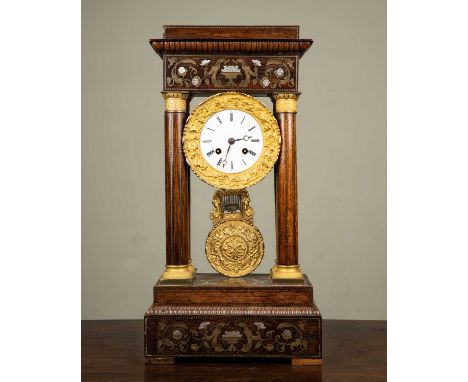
(231, 141)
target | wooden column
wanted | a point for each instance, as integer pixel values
(287, 261)
(178, 263)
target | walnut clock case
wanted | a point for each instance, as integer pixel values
(231, 141)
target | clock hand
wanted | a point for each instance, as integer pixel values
(245, 138)
(224, 161)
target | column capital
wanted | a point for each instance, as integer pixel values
(285, 102)
(176, 101)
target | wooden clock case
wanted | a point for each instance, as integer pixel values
(210, 315)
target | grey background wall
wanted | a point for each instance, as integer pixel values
(341, 152)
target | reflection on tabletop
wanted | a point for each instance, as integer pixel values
(227, 370)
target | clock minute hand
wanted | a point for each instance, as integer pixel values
(244, 138)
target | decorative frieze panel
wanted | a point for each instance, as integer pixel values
(225, 336)
(262, 74)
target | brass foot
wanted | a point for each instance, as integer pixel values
(160, 360)
(177, 272)
(192, 268)
(306, 361)
(286, 272)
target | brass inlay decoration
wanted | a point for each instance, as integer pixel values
(174, 310)
(285, 102)
(234, 246)
(228, 337)
(231, 73)
(271, 139)
(175, 101)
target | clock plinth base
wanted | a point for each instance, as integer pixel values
(217, 316)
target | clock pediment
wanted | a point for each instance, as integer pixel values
(250, 59)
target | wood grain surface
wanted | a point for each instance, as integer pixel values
(231, 31)
(286, 193)
(177, 191)
(352, 351)
(219, 290)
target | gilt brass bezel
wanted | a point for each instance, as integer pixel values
(266, 121)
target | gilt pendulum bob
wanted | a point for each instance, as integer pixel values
(234, 246)
(231, 141)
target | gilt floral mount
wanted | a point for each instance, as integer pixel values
(214, 73)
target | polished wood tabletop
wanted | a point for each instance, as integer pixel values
(352, 351)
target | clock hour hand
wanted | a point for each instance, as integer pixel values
(225, 158)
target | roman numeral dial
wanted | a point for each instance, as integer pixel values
(231, 141)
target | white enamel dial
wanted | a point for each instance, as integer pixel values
(231, 141)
